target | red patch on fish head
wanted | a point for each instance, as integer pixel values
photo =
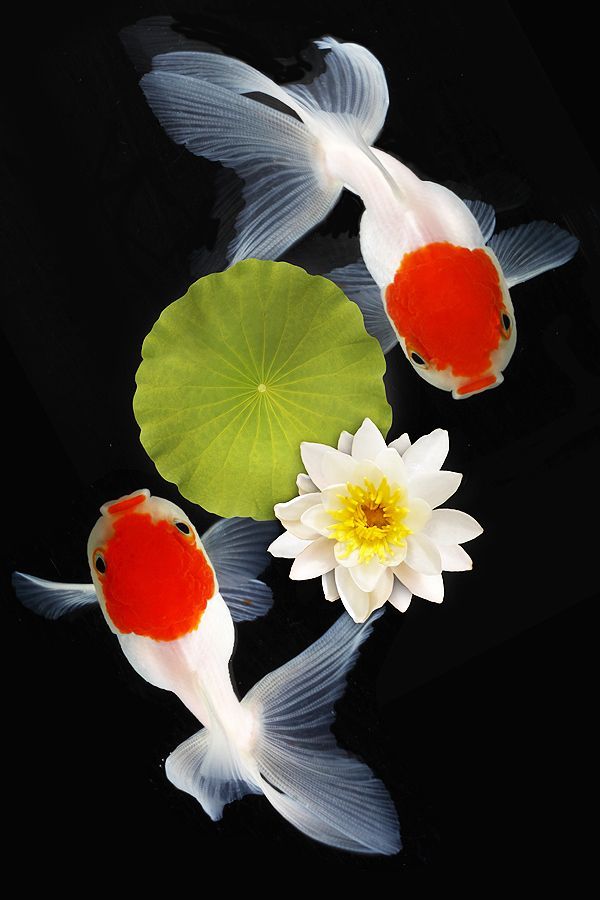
(446, 303)
(155, 580)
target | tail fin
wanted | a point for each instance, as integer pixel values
(213, 105)
(318, 787)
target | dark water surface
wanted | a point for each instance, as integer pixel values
(476, 714)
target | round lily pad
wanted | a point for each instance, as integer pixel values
(240, 370)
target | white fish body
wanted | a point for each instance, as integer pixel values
(294, 169)
(169, 597)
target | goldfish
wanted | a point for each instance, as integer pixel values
(432, 275)
(171, 599)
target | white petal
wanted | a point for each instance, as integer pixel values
(430, 587)
(381, 593)
(318, 519)
(329, 586)
(401, 444)
(290, 514)
(333, 497)
(368, 441)
(345, 442)
(434, 487)
(429, 452)
(367, 470)
(337, 468)
(366, 575)
(355, 600)
(454, 558)
(451, 526)
(397, 555)
(317, 559)
(422, 555)
(293, 509)
(418, 515)
(287, 546)
(400, 596)
(345, 561)
(312, 454)
(390, 463)
(305, 484)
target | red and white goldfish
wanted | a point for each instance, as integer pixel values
(171, 600)
(433, 275)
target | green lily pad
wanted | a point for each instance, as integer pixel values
(240, 370)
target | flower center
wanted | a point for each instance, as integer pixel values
(370, 520)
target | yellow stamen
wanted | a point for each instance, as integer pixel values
(370, 520)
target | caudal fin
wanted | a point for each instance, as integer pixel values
(294, 760)
(317, 786)
(271, 135)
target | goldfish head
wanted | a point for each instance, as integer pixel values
(454, 317)
(149, 568)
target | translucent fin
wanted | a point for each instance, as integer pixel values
(51, 599)
(353, 83)
(206, 767)
(528, 250)
(225, 71)
(485, 216)
(317, 786)
(237, 548)
(155, 35)
(285, 194)
(358, 285)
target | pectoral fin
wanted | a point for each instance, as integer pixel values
(237, 549)
(528, 250)
(358, 285)
(51, 599)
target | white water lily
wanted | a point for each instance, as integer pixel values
(367, 520)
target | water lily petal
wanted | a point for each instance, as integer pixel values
(333, 497)
(454, 558)
(418, 515)
(355, 601)
(318, 519)
(312, 455)
(290, 514)
(401, 444)
(305, 484)
(422, 555)
(367, 575)
(287, 546)
(293, 509)
(367, 470)
(429, 452)
(391, 464)
(345, 561)
(400, 596)
(368, 441)
(434, 487)
(337, 468)
(330, 589)
(317, 559)
(345, 442)
(397, 555)
(430, 587)
(451, 526)
(381, 592)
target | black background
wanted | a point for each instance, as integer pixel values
(477, 714)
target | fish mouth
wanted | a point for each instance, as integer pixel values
(476, 386)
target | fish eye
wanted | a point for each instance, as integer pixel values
(506, 323)
(183, 528)
(100, 563)
(417, 358)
